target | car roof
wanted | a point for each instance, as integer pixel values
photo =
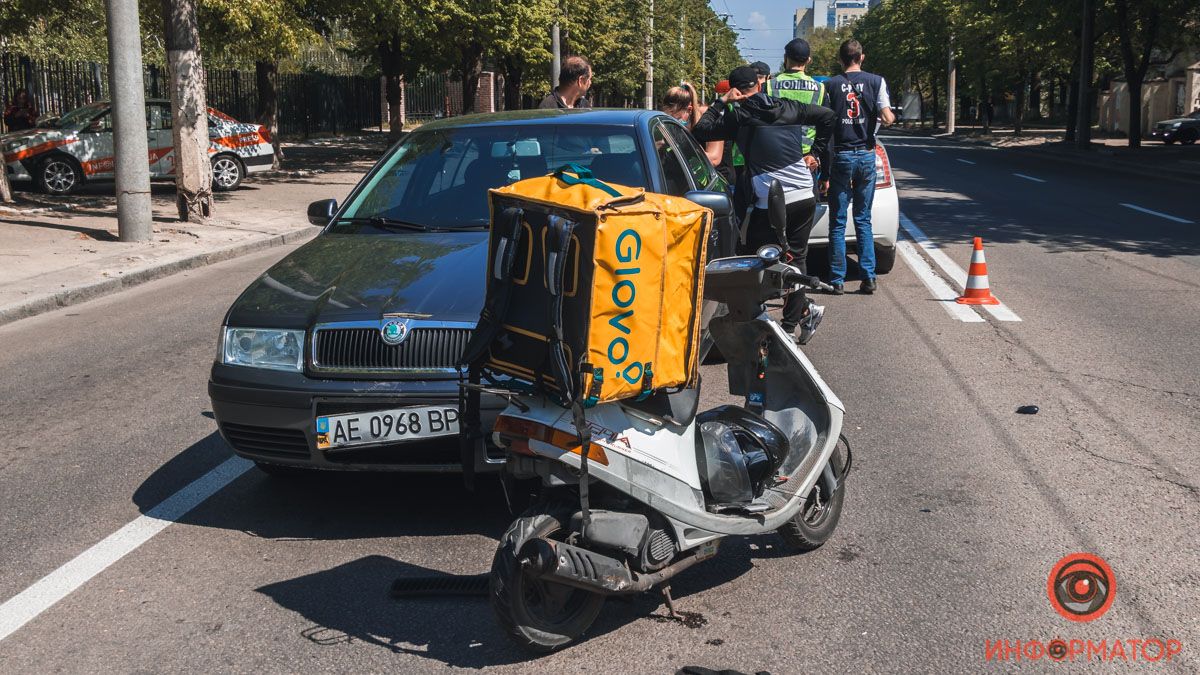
(601, 116)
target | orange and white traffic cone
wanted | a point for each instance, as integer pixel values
(977, 291)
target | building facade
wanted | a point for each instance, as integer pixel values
(848, 11)
(802, 25)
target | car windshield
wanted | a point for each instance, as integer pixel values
(80, 117)
(440, 178)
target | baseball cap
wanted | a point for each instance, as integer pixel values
(723, 87)
(797, 50)
(743, 77)
(761, 68)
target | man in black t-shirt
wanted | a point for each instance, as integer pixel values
(574, 80)
(861, 102)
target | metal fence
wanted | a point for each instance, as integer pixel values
(308, 102)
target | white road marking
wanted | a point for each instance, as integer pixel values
(1177, 219)
(936, 285)
(1036, 180)
(928, 152)
(967, 161)
(29, 603)
(957, 274)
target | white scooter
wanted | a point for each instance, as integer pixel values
(661, 484)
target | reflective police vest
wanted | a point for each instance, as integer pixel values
(798, 86)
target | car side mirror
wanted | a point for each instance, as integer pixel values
(718, 202)
(321, 212)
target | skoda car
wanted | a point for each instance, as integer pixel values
(344, 355)
(63, 153)
(885, 218)
(1185, 130)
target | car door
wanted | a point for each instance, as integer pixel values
(94, 150)
(691, 162)
(159, 141)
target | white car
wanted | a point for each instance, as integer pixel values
(63, 153)
(885, 218)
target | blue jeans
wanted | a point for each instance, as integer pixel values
(852, 177)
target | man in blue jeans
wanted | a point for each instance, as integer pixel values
(861, 101)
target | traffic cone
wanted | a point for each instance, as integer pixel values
(977, 291)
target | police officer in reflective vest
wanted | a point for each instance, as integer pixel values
(795, 84)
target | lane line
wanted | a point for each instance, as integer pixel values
(951, 269)
(928, 152)
(1036, 180)
(1143, 209)
(936, 285)
(29, 603)
(967, 161)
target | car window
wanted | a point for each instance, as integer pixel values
(673, 173)
(693, 158)
(441, 177)
(158, 117)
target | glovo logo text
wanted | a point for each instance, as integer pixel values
(628, 248)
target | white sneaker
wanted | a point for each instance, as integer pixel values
(809, 326)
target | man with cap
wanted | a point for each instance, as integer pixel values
(771, 135)
(794, 83)
(763, 70)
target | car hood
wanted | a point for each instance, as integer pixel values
(1185, 120)
(357, 277)
(18, 140)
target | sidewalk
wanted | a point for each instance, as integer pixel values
(56, 252)
(1154, 159)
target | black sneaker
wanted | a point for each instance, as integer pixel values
(838, 288)
(869, 286)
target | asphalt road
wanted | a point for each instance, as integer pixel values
(956, 512)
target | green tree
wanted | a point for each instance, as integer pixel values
(1151, 32)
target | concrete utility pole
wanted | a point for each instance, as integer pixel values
(556, 50)
(126, 89)
(951, 91)
(189, 131)
(1083, 123)
(650, 61)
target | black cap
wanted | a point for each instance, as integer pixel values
(797, 50)
(760, 68)
(743, 77)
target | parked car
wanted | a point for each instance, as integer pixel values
(1184, 130)
(885, 218)
(344, 355)
(62, 153)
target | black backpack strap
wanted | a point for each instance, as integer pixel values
(558, 245)
(500, 274)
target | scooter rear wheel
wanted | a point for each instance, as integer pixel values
(809, 529)
(539, 616)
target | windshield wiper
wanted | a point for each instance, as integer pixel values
(387, 223)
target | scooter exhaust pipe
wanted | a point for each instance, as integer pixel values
(596, 572)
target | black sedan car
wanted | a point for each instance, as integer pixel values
(344, 355)
(1184, 130)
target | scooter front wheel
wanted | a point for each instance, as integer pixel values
(814, 524)
(538, 615)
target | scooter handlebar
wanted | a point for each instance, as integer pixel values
(793, 277)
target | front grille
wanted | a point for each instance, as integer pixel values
(267, 440)
(363, 350)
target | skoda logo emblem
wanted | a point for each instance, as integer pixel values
(394, 331)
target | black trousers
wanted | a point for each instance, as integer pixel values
(799, 227)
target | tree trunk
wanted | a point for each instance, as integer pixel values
(470, 69)
(266, 79)
(1035, 95)
(1018, 123)
(391, 62)
(933, 85)
(514, 76)
(193, 172)
(1135, 66)
(985, 105)
(5, 188)
(1135, 111)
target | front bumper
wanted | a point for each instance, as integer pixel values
(1165, 135)
(269, 416)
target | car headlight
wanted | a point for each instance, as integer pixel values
(263, 348)
(1177, 125)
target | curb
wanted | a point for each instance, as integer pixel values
(73, 296)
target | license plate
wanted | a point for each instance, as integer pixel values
(386, 426)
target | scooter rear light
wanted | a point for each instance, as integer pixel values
(883, 168)
(520, 431)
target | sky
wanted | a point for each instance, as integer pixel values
(769, 23)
